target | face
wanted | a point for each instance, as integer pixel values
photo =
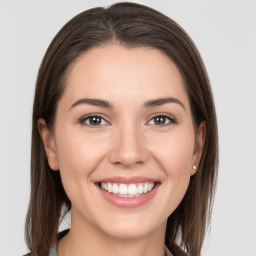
(123, 140)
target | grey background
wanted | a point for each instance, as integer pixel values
(225, 33)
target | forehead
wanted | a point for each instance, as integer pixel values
(113, 72)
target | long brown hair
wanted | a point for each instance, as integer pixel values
(130, 25)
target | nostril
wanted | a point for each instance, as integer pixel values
(128, 159)
(128, 150)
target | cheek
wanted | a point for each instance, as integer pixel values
(175, 153)
(78, 155)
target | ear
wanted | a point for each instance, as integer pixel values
(49, 144)
(199, 145)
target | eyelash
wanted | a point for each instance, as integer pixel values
(85, 118)
(171, 119)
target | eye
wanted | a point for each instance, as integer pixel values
(93, 120)
(161, 120)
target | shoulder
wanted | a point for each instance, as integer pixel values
(53, 249)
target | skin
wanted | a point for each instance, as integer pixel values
(128, 142)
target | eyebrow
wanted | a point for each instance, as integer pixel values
(162, 101)
(94, 102)
(147, 104)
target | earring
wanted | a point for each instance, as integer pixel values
(194, 166)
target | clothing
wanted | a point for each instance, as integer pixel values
(53, 251)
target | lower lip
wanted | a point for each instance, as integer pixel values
(129, 202)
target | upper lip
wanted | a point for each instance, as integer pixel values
(127, 180)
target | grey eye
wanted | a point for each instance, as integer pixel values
(94, 120)
(161, 120)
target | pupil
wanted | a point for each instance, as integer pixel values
(95, 120)
(159, 120)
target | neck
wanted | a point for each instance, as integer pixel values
(84, 239)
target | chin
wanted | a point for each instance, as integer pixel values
(131, 227)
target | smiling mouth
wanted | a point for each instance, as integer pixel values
(127, 190)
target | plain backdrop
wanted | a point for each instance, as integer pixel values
(225, 34)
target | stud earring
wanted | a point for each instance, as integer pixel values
(194, 166)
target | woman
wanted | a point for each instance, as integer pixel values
(124, 136)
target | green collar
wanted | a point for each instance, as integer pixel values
(53, 251)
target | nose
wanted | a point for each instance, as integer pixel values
(129, 147)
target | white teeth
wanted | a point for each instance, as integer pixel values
(150, 186)
(145, 189)
(132, 189)
(140, 189)
(122, 189)
(127, 190)
(104, 186)
(110, 187)
(115, 189)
